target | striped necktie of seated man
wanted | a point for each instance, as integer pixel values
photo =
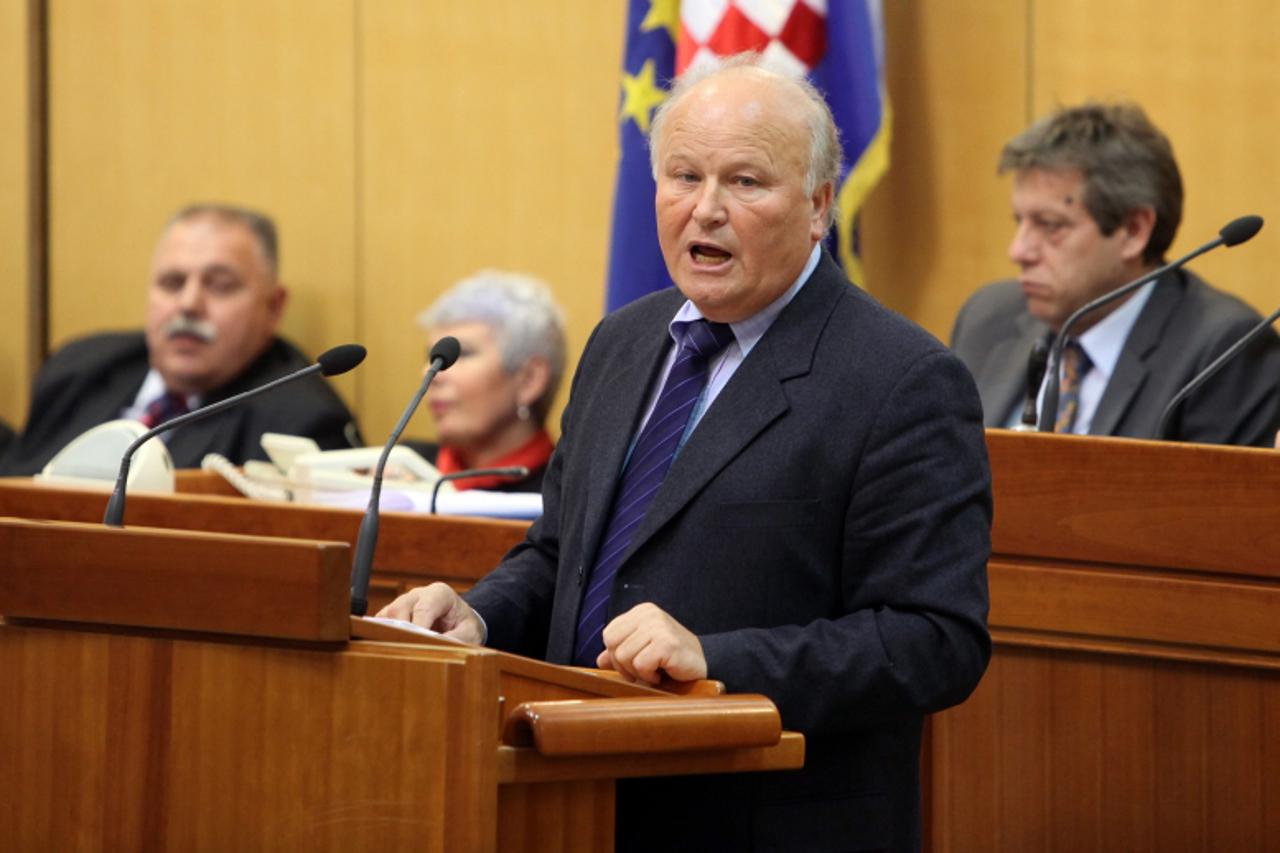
(164, 408)
(1075, 364)
(643, 474)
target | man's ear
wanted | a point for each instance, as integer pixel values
(276, 300)
(823, 197)
(1137, 227)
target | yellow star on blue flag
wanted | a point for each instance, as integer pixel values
(640, 96)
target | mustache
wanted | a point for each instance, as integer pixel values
(182, 325)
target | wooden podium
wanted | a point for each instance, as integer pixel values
(1133, 700)
(1131, 704)
(185, 690)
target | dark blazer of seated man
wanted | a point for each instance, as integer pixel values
(822, 532)
(213, 306)
(1097, 198)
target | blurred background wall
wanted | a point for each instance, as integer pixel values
(402, 144)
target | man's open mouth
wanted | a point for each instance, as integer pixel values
(705, 254)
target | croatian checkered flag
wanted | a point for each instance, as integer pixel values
(838, 45)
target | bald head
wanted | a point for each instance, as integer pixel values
(791, 96)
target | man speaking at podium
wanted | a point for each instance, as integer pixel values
(213, 307)
(822, 533)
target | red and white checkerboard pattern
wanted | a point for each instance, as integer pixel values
(791, 34)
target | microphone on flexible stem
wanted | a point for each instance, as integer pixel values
(1036, 363)
(442, 356)
(332, 362)
(1234, 233)
(1166, 417)
(515, 473)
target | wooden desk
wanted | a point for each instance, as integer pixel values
(1133, 698)
(1133, 701)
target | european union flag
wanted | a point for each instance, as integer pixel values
(839, 46)
(635, 261)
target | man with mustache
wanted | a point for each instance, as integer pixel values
(764, 477)
(213, 307)
(1097, 199)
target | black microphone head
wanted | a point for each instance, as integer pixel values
(340, 359)
(1239, 230)
(447, 349)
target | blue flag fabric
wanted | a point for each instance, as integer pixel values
(635, 261)
(851, 76)
(841, 48)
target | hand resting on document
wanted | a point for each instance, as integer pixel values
(439, 608)
(643, 644)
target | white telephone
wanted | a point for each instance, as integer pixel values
(300, 471)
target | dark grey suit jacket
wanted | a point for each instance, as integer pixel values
(1182, 328)
(824, 532)
(90, 380)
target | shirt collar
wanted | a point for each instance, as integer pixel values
(153, 388)
(748, 332)
(1104, 341)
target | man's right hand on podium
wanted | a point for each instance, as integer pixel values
(439, 608)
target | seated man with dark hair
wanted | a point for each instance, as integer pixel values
(213, 307)
(1097, 198)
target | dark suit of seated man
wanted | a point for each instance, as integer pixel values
(213, 307)
(1097, 198)
(820, 536)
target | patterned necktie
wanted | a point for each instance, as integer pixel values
(164, 408)
(1075, 364)
(643, 474)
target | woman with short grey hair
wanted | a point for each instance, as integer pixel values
(490, 407)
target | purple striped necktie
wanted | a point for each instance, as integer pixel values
(643, 474)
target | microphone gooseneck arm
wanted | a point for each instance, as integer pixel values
(443, 355)
(514, 472)
(1166, 417)
(1234, 233)
(114, 516)
(331, 362)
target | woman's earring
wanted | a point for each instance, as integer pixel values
(522, 412)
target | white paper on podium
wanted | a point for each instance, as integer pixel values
(517, 505)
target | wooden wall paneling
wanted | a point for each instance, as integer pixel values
(1270, 749)
(938, 224)
(1181, 733)
(16, 228)
(1128, 746)
(1025, 758)
(1104, 752)
(1076, 709)
(236, 745)
(156, 104)
(487, 139)
(1237, 729)
(577, 816)
(1206, 74)
(968, 818)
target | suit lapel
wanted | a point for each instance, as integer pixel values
(750, 401)
(1131, 368)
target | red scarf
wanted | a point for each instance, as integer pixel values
(533, 454)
